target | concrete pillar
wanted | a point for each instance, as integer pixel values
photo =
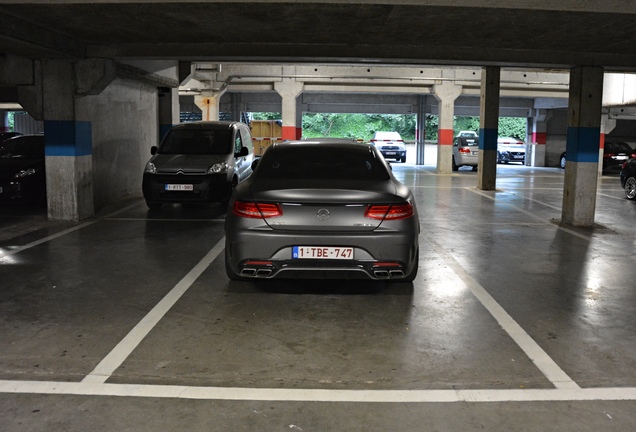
(488, 127)
(582, 145)
(209, 102)
(168, 109)
(4, 127)
(607, 126)
(289, 89)
(420, 131)
(68, 145)
(446, 93)
(537, 137)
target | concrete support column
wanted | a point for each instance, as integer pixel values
(582, 145)
(289, 89)
(168, 109)
(4, 127)
(488, 127)
(420, 131)
(446, 93)
(68, 145)
(607, 126)
(537, 138)
(209, 103)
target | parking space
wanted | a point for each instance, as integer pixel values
(128, 322)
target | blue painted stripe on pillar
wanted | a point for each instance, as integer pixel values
(68, 138)
(583, 144)
(163, 130)
(488, 139)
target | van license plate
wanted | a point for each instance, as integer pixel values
(179, 187)
(322, 252)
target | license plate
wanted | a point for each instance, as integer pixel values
(322, 252)
(475, 153)
(518, 157)
(179, 187)
(621, 157)
(390, 153)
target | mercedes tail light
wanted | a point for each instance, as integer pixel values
(389, 212)
(256, 210)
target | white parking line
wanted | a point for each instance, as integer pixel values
(4, 253)
(536, 354)
(317, 395)
(123, 349)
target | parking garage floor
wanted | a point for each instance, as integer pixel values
(515, 322)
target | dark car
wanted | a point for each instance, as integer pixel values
(22, 175)
(615, 153)
(628, 178)
(198, 162)
(315, 209)
(6, 135)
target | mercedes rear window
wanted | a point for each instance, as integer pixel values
(324, 162)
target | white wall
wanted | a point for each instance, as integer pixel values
(124, 125)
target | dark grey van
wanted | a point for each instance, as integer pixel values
(198, 162)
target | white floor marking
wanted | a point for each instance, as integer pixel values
(533, 216)
(317, 395)
(123, 349)
(540, 358)
(9, 252)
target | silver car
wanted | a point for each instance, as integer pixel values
(465, 152)
(328, 209)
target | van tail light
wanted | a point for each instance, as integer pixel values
(389, 212)
(464, 150)
(256, 210)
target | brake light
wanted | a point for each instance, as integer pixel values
(464, 150)
(256, 210)
(389, 212)
(608, 155)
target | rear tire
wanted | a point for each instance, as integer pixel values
(630, 188)
(455, 167)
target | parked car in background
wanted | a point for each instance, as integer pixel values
(322, 209)
(628, 178)
(465, 152)
(391, 145)
(510, 150)
(22, 174)
(6, 135)
(198, 162)
(615, 153)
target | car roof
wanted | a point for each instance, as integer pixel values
(223, 124)
(319, 142)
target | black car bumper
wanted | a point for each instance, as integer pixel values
(200, 188)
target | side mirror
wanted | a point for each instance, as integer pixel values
(153, 150)
(254, 163)
(244, 152)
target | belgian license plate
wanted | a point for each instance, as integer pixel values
(518, 157)
(475, 153)
(322, 252)
(390, 153)
(179, 187)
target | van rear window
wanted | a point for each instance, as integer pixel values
(197, 141)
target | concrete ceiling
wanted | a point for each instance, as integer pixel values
(538, 33)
